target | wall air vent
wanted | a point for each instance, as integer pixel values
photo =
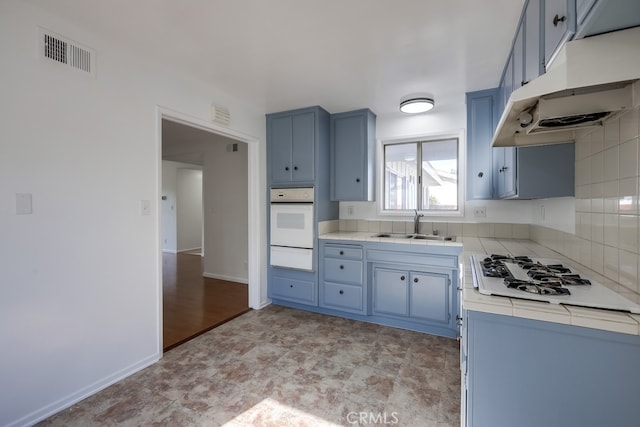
(54, 47)
(220, 115)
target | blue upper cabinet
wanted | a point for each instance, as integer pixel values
(559, 26)
(533, 55)
(482, 115)
(602, 16)
(291, 139)
(510, 172)
(352, 163)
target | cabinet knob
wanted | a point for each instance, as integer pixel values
(415, 280)
(524, 82)
(342, 267)
(480, 174)
(557, 19)
(357, 179)
(502, 169)
(291, 286)
(286, 168)
(341, 292)
(401, 277)
(341, 252)
(295, 168)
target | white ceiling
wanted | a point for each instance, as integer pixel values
(285, 54)
(341, 54)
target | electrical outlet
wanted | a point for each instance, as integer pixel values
(480, 212)
(350, 210)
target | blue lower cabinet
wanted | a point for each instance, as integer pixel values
(429, 296)
(390, 291)
(343, 297)
(530, 373)
(342, 278)
(292, 285)
(403, 286)
(420, 296)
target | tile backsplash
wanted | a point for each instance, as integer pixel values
(607, 237)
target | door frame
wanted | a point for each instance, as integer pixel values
(255, 208)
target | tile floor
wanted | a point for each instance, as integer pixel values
(283, 367)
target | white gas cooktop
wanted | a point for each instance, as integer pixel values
(543, 279)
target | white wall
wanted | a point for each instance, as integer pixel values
(182, 209)
(169, 231)
(80, 277)
(189, 211)
(225, 205)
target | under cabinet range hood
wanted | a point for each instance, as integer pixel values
(589, 81)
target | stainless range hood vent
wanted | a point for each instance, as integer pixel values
(590, 81)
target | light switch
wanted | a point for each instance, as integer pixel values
(146, 207)
(24, 204)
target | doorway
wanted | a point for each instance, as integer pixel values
(224, 272)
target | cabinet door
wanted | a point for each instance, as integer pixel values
(390, 291)
(429, 296)
(507, 173)
(481, 120)
(559, 26)
(349, 157)
(532, 56)
(302, 147)
(293, 289)
(518, 59)
(280, 140)
(507, 87)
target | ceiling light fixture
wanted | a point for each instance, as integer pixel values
(415, 104)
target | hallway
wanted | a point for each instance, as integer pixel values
(193, 304)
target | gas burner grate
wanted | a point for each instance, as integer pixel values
(540, 288)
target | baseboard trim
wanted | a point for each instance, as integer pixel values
(189, 250)
(57, 406)
(228, 278)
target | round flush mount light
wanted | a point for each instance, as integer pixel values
(415, 104)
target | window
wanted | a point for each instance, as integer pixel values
(431, 187)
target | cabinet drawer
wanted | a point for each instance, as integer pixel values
(343, 271)
(339, 251)
(343, 297)
(293, 290)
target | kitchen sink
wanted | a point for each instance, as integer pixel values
(416, 236)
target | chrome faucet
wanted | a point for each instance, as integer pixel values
(416, 222)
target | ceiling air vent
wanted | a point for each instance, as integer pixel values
(56, 48)
(220, 115)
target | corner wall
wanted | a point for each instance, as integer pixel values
(81, 301)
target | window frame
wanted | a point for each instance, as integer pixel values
(418, 139)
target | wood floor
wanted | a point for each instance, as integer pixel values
(193, 304)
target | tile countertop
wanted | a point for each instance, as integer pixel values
(368, 236)
(472, 299)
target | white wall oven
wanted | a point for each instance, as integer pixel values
(292, 228)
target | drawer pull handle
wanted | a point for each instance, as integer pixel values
(401, 277)
(415, 280)
(341, 292)
(342, 267)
